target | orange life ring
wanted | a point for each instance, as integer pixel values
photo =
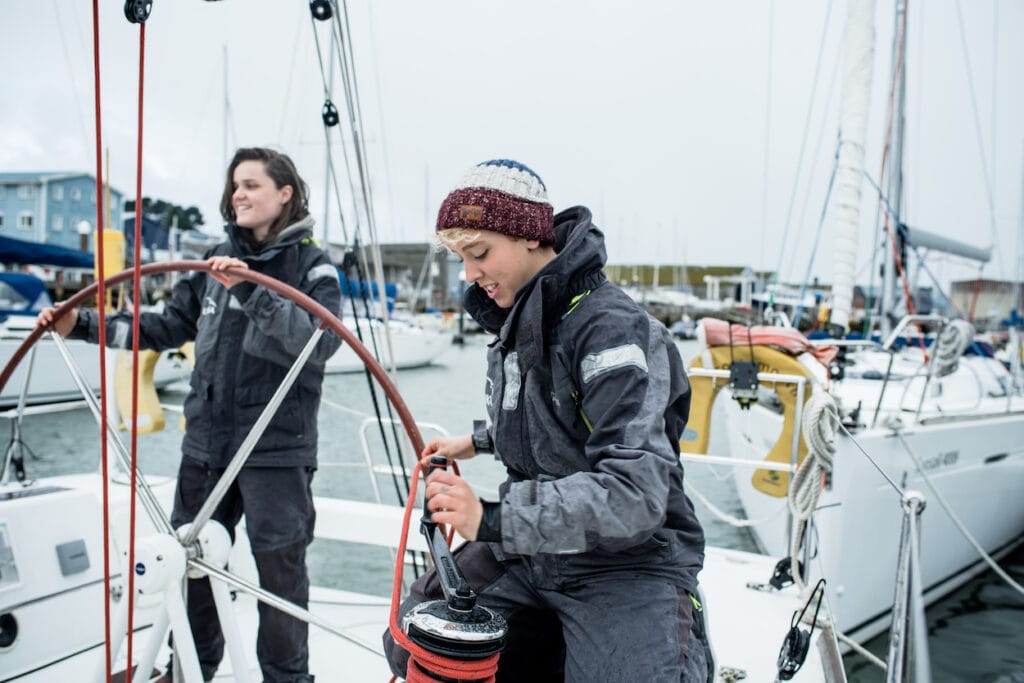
(706, 389)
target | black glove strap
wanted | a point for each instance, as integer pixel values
(490, 523)
(481, 437)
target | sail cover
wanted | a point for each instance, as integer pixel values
(35, 253)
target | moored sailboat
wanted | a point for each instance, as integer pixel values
(908, 412)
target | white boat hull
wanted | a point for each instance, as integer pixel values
(414, 347)
(51, 381)
(975, 463)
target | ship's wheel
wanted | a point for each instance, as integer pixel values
(201, 548)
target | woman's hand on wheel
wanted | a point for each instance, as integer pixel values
(63, 326)
(219, 266)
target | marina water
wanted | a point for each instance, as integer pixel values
(975, 634)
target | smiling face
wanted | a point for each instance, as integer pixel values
(256, 200)
(500, 264)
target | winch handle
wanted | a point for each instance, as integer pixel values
(457, 593)
(437, 462)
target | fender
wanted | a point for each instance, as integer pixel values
(705, 390)
(151, 414)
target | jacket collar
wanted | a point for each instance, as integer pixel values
(243, 245)
(541, 302)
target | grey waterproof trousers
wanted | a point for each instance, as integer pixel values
(279, 518)
(611, 628)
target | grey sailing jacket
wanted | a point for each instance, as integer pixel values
(245, 341)
(587, 398)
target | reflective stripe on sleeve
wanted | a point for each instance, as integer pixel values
(596, 364)
(323, 270)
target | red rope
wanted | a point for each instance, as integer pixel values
(421, 660)
(974, 298)
(101, 294)
(136, 289)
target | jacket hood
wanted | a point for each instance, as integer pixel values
(577, 266)
(241, 239)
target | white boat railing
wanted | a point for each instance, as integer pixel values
(908, 647)
(888, 346)
(392, 470)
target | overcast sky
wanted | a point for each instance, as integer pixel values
(679, 123)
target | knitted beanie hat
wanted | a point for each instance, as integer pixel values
(503, 196)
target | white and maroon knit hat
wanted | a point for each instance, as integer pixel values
(503, 196)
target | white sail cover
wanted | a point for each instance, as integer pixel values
(858, 62)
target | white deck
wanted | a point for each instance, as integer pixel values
(747, 627)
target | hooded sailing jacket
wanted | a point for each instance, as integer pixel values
(246, 339)
(587, 398)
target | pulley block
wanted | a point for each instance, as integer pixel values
(330, 114)
(793, 652)
(137, 11)
(321, 9)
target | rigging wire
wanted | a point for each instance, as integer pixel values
(326, 116)
(373, 393)
(287, 95)
(897, 76)
(358, 261)
(884, 201)
(101, 297)
(350, 94)
(767, 124)
(68, 64)
(817, 234)
(995, 89)
(364, 176)
(341, 34)
(331, 178)
(977, 132)
(348, 84)
(344, 148)
(812, 173)
(873, 272)
(356, 119)
(380, 116)
(803, 142)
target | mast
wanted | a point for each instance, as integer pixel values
(858, 61)
(895, 190)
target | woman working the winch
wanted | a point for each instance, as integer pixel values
(592, 552)
(246, 338)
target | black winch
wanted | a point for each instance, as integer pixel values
(456, 626)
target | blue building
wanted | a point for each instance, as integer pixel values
(49, 207)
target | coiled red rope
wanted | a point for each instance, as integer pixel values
(423, 662)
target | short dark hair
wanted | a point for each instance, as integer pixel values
(282, 171)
